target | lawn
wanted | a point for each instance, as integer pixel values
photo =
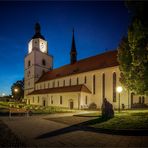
(131, 119)
(35, 109)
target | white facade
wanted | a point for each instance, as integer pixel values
(101, 83)
(37, 62)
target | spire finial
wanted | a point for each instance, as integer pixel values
(73, 53)
(37, 28)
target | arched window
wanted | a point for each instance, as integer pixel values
(70, 81)
(28, 73)
(58, 83)
(51, 99)
(38, 99)
(43, 62)
(33, 99)
(53, 84)
(86, 100)
(94, 84)
(29, 63)
(132, 96)
(43, 71)
(103, 86)
(77, 81)
(63, 82)
(114, 87)
(143, 100)
(61, 100)
(85, 79)
(140, 100)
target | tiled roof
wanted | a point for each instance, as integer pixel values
(74, 88)
(107, 59)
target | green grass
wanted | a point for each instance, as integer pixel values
(132, 119)
(35, 109)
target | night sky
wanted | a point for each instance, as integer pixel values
(99, 26)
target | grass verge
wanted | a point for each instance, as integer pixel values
(133, 119)
(35, 109)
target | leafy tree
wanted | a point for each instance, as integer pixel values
(133, 53)
(17, 90)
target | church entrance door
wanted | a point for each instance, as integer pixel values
(71, 105)
(44, 103)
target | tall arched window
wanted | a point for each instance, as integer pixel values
(58, 83)
(85, 79)
(114, 87)
(103, 86)
(94, 84)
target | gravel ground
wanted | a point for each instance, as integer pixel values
(8, 139)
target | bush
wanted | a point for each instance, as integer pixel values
(139, 105)
(92, 106)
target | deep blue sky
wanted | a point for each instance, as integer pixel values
(98, 26)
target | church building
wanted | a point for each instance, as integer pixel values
(77, 85)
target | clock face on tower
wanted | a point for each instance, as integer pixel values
(42, 47)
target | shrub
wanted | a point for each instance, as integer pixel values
(92, 106)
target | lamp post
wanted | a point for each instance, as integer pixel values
(119, 90)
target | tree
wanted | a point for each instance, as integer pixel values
(17, 90)
(133, 53)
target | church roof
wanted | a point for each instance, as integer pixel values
(107, 59)
(74, 88)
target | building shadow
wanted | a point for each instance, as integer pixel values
(84, 127)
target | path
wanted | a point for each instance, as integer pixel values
(39, 132)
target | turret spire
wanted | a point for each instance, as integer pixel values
(73, 52)
(37, 34)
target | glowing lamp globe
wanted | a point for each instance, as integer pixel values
(119, 89)
(16, 90)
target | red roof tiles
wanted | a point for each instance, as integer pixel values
(107, 59)
(74, 88)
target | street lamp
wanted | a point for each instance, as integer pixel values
(119, 90)
(3, 94)
(15, 90)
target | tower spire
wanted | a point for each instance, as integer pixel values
(73, 52)
(37, 30)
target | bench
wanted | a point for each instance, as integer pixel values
(18, 110)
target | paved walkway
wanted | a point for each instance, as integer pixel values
(36, 131)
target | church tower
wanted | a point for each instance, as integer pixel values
(37, 61)
(73, 52)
